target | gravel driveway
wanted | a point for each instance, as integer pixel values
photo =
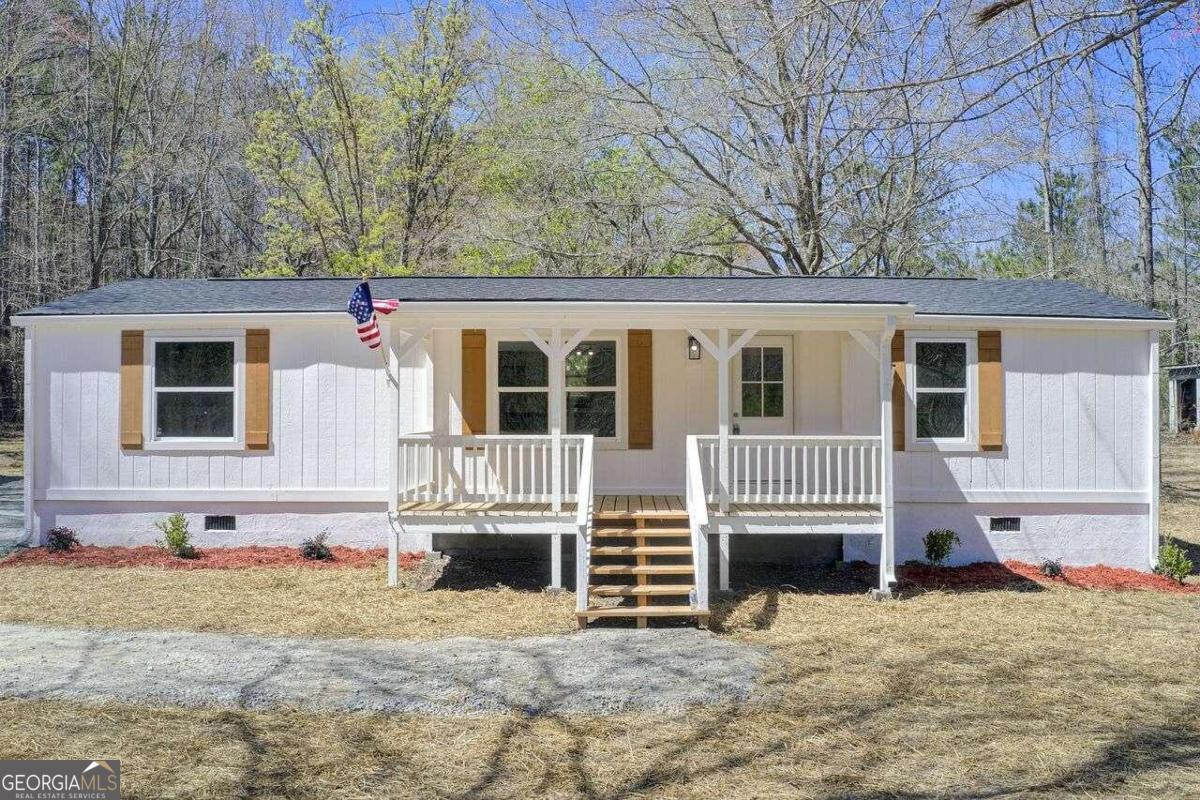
(592, 672)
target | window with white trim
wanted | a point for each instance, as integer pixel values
(592, 388)
(941, 389)
(193, 389)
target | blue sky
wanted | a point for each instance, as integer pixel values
(1173, 49)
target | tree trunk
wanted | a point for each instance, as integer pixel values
(1145, 171)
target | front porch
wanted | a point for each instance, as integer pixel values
(778, 429)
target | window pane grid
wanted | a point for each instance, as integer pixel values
(589, 383)
(940, 389)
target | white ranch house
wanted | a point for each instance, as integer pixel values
(655, 424)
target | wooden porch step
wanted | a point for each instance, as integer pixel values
(631, 515)
(643, 550)
(618, 590)
(653, 569)
(641, 611)
(622, 533)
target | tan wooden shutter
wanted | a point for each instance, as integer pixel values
(258, 389)
(132, 375)
(641, 389)
(991, 392)
(474, 382)
(899, 407)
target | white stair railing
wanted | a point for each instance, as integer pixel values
(795, 469)
(583, 525)
(697, 507)
(489, 468)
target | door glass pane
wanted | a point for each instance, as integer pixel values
(207, 415)
(941, 415)
(592, 412)
(752, 364)
(772, 363)
(523, 412)
(941, 365)
(520, 364)
(593, 364)
(751, 399)
(772, 400)
(193, 364)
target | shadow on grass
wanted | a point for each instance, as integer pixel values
(759, 587)
(465, 573)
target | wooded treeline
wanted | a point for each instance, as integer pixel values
(186, 138)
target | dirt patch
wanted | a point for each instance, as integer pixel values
(210, 558)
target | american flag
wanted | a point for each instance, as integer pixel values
(363, 309)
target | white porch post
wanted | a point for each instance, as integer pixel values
(887, 549)
(723, 432)
(557, 365)
(723, 561)
(413, 397)
(33, 530)
(1153, 400)
(556, 561)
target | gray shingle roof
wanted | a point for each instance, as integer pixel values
(1037, 298)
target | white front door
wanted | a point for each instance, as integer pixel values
(762, 399)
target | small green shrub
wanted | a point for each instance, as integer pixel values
(939, 544)
(60, 540)
(177, 540)
(315, 549)
(1173, 562)
(1051, 568)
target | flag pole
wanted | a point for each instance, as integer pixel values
(387, 367)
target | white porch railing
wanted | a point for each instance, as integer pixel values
(794, 469)
(492, 468)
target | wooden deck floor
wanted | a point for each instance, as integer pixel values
(623, 506)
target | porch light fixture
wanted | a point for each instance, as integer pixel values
(693, 349)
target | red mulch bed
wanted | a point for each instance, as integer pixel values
(1017, 574)
(208, 558)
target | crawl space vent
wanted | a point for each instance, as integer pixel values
(220, 523)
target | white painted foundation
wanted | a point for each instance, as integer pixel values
(132, 524)
(1078, 535)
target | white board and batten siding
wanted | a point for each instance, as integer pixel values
(1076, 422)
(333, 418)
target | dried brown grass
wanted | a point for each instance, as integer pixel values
(12, 456)
(279, 601)
(1044, 692)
